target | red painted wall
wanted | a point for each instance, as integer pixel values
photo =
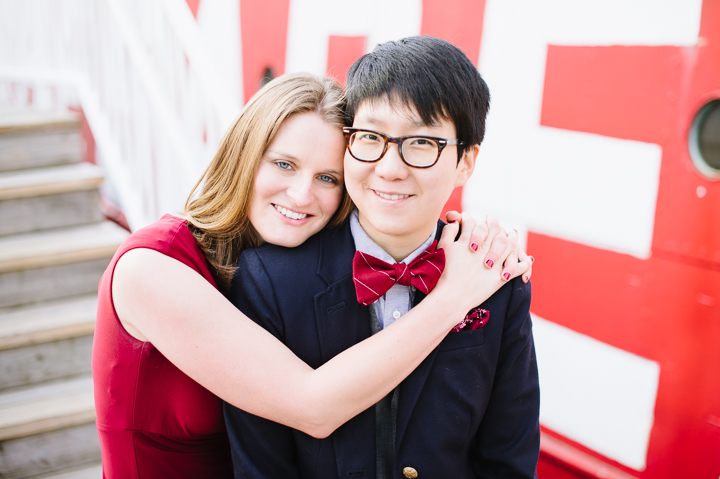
(665, 308)
(263, 30)
(342, 53)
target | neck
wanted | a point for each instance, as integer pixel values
(397, 246)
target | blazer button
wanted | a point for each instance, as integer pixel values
(410, 472)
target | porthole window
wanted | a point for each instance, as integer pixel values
(705, 140)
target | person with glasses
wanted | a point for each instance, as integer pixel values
(168, 344)
(417, 107)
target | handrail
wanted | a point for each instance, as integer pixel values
(154, 101)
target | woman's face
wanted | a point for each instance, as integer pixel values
(299, 183)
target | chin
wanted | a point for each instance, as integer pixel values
(292, 239)
(288, 242)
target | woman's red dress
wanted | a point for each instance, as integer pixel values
(153, 420)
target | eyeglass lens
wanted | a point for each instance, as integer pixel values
(417, 151)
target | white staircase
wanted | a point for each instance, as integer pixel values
(54, 246)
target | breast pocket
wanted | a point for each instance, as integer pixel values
(462, 340)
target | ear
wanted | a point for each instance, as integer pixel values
(466, 166)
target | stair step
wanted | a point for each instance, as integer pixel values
(51, 197)
(51, 321)
(47, 427)
(45, 342)
(45, 362)
(49, 181)
(46, 407)
(50, 452)
(17, 120)
(61, 246)
(89, 472)
(30, 139)
(53, 264)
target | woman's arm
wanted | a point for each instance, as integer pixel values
(163, 301)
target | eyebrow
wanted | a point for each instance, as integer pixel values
(289, 156)
(414, 122)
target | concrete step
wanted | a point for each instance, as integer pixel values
(53, 264)
(46, 407)
(93, 471)
(51, 197)
(46, 322)
(47, 341)
(47, 428)
(30, 139)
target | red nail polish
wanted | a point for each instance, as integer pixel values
(525, 279)
(490, 263)
(506, 276)
(532, 259)
(474, 246)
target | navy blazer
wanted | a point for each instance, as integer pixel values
(469, 410)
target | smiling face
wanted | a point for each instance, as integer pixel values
(298, 186)
(398, 206)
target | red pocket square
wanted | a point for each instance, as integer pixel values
(475, 319)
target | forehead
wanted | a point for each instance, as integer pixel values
(298, 138)
(385, 112)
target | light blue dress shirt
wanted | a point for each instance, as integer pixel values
(398, 300)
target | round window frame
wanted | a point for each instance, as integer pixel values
(699, 162)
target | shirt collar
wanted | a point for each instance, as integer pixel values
(364, 244)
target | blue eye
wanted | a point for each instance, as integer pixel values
(284, 165)
(327, 179)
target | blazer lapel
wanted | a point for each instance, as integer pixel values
(342, 322)
(411, 387)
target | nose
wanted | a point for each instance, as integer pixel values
(301, 192)
(391, 166)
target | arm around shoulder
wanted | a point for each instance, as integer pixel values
(193, 325)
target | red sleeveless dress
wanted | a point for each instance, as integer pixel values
(153, 420)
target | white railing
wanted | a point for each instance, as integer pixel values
(138, 69)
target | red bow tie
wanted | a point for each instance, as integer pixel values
(374, 277)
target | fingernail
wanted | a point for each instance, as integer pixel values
(489, 263)
(474, 246)
(506, 276)
(532, 259)
(525, 279)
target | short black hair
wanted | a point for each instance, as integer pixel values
(428, 74)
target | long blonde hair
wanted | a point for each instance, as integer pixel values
(218, 216)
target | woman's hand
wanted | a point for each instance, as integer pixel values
(466, 280)
(499, 244)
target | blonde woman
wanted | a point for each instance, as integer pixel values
(169, 346)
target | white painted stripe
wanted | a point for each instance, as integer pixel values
(595, 394)
(311, 22)
(619, 22)
(219, 23)
(580, 187)
(586, 188)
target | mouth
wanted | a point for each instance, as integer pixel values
(293, 215)
(392, 197)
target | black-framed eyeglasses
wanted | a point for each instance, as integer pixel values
(416, 151)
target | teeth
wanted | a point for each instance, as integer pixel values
(391, 197)
(290, 214)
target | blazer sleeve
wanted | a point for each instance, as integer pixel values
(507, 443)
(260, 448)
